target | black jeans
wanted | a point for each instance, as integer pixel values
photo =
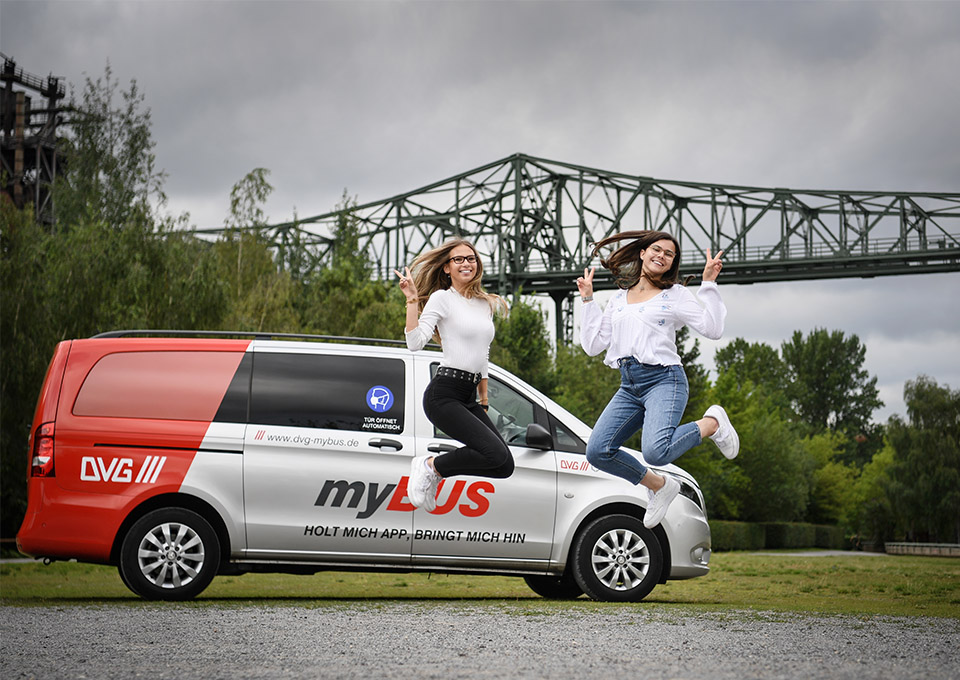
(451, 405)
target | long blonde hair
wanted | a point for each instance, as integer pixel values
(429, 277)
(624, 262)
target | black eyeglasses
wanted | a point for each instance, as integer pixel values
(459, 259)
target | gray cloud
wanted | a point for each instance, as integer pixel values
(383, 97)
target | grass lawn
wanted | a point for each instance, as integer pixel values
(855, 584)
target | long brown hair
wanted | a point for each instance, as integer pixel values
(429, 277)
(625, 264)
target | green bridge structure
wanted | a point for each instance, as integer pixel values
(533, 220)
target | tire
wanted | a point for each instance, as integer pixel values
(169, 554)
(555, 587)
(617, 559)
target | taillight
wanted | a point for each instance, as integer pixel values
(42, 463)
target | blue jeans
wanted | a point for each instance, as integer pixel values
(651, 398)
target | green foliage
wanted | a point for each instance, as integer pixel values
(246, 198)
(755, 366)
(774, 468)
(111, 177)
(725, 535)
(826, 381)
(789, 535)
(87, 278)
(829, 537)
(342, 298)
(698, 379)
(831, 483)
(584, 384)
(522, 345)
(927, 454)
(108, 263)
(874, 517)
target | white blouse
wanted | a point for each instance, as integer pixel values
(648, 330)
(466, 330)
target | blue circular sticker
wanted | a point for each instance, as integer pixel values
(379, 398)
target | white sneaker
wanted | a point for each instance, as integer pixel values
(422, 485)
(660, 501)
(725, 437)
(430, 501)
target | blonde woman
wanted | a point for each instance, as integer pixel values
(445, 297)
(638, 331)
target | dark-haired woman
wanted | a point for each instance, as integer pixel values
(638, 331)
(445, 296)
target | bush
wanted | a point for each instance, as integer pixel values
(736, 535)
(759, 535)
(829, 537)
(789, 535)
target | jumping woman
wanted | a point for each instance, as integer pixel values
(638, 331)
(445, 297)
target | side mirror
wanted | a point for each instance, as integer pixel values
(538, 437)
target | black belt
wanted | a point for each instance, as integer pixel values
(448, 372)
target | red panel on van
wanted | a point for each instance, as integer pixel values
(130, 414)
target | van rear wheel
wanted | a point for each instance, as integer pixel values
(169, 554)
(562, 587)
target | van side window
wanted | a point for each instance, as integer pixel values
(566, 440)
(509, 411)
(330, 391)
(157, 385)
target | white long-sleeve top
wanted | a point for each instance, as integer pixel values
(648, 330)
(466, 330)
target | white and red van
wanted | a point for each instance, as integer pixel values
(177, 456)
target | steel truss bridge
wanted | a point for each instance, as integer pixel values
(534, 220)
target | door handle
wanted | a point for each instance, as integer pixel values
(381, 443)
(441, 448)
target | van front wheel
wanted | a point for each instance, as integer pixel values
(169, 554)
(617, 559)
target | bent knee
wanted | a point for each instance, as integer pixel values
(657, 455)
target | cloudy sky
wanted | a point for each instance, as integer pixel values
(378, 98)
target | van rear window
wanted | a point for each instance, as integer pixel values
(329, 391)
(157, 385)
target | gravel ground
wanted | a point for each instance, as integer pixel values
(453, 640)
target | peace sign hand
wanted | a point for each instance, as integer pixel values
(713, 266)
(407, 285)
(585, 283)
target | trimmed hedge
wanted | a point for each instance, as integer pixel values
(760, 535)
(789, 535)
(736, 535)
(831, 538)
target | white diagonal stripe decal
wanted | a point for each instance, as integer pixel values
(143, 469)
(156, 473)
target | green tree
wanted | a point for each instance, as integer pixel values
(522, 345)
(826, 382)
(698, 379)
(927, 470)
(773, 482)
(111, 175)
(875, 507)
(757, 364)
(343, 298)
(584, 384)
(832, 482)
(111, 261)
(260, 293)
